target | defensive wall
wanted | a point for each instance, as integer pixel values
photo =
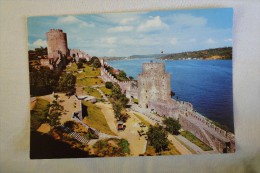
(125, 86)
(77, 54)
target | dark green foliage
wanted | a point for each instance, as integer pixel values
(39, 113)
(117, 107)
(43, 81)
(67, 83)
(91, 61)
(96, 63)
(131, 77)
(157, 137)
(111, 147)
(124, 145)
(82, 60)
(37, 52)
(119, 101)
(116, 92)
(109, 85)
(55, 113)
(80, 65)
(225, 53)
(172, 126)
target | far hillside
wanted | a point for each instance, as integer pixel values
(134, 57)
(208, 54)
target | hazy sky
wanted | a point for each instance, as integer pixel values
(124, 34)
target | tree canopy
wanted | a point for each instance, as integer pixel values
(67, 83)
(172, 125)
(157, 137)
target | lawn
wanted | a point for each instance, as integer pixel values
(91, 71)
(96, 119)
(106, 91)
(92, 92)
(150, 150)
(195, 140)
(39, 113)
(72, 68)
(89, 81)
(142, 120)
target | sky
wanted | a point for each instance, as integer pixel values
(138, 33)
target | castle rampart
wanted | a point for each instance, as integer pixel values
(154, 93)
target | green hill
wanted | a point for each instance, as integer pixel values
(208, 54)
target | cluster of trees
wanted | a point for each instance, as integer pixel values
(172, 125)
(119, 102)
(45, 81)
(34, 54)
(111, 147)
(55, 112)
(157, 135)
(93, 61)
(121, 76)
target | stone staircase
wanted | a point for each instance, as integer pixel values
(75, 135)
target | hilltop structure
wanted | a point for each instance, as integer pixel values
(58, 51)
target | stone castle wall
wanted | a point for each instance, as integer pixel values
(153, 84)
(195, 123)
(56, 43)
(107, 77)
(77, 54)
(154, 93)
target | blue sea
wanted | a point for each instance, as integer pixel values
(207, 84)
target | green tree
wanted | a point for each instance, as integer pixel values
(55, 112)
(117, 107)
(157, 137)
(172, 125)
(116, 92)
(67, 83)
(131, 77)
(122, 74)
(109, 85)
(43, 81)
(80, 65)
(96, 63)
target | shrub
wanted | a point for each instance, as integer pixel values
(109, 85)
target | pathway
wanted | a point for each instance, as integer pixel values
(137, 143)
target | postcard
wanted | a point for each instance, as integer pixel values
(131, 84)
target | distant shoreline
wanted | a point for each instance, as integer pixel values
(224, 53)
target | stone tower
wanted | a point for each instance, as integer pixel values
(153, 84)
(57, 43)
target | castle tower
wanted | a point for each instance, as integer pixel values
(153, 84)
(56, 43)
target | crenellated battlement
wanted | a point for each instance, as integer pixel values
(56, 30)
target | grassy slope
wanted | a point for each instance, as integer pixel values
(195, 140)
(92, 92)
(150, 150)
(106, 91)
(96, 119)
(38, 113)
(142, 120)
